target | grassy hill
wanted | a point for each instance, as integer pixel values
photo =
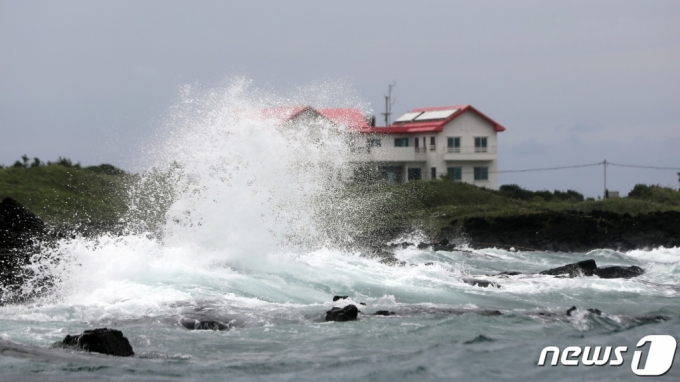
(66, 193)
(59, 193)
(433, 205)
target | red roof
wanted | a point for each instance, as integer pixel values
(431, 126)
(346, 117)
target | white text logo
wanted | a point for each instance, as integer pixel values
(659, 356)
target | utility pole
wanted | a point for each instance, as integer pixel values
(605, 180)
(388, 103)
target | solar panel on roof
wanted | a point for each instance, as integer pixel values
(438, 114)
(408, 116)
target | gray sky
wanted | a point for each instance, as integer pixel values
(574, 82)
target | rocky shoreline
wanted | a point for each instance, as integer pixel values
(23, 235)
(573, 231)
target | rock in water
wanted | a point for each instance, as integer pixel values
(571, 310)
(384, 313)
(336, 298)
(615, 272)
(204, 324)
(582, 268)
(105, 341)
(348, 313)
(481, 283)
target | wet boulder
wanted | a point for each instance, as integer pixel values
(616, 272)
(348, 313)
(443, 245)
(510, 273)
(17, 224)
(204, 325)
(384, 313)
(21, 233)
(103, 340)
(336, 298)
(582, 268)
(481, 283)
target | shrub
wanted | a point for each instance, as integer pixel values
(106, 168)
(655, 193)
(516, 192)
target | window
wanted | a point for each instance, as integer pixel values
(400, 142)
(433, 173)
(392, 174)
(455, 173)
(453, 144)
(413, 174)
(416, 142)
(481, 173)
(373, 142)
(432, 143)
(480, 144)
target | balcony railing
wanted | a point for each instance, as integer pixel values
(471, 150)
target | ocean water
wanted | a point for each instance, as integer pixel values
(240, 223)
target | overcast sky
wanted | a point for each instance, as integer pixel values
(573, 82)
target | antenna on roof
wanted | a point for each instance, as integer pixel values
(389, 103)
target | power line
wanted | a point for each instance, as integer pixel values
(550, 168)
(650, 167)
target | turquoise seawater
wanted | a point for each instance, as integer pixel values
(275, 309)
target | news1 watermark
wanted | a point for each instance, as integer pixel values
(659, 356)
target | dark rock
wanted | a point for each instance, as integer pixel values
(619, 272)
(447, 248)
(204, 325)
(582, 268)
(591, 310)
(489, 312)
(478, 339)
(572, 231)
(336, 298)
(429, 263)
(444, 245)
(105, 341)
(384, 313)
(481, 283)
(571, 310)
(348, 313)
(510, 273)
(422, 245)
(21, 234)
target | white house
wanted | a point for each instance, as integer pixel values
(426, 143)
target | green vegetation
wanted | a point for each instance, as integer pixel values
(432, 206)
(64, 192)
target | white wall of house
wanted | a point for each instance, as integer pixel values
(467, 127)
